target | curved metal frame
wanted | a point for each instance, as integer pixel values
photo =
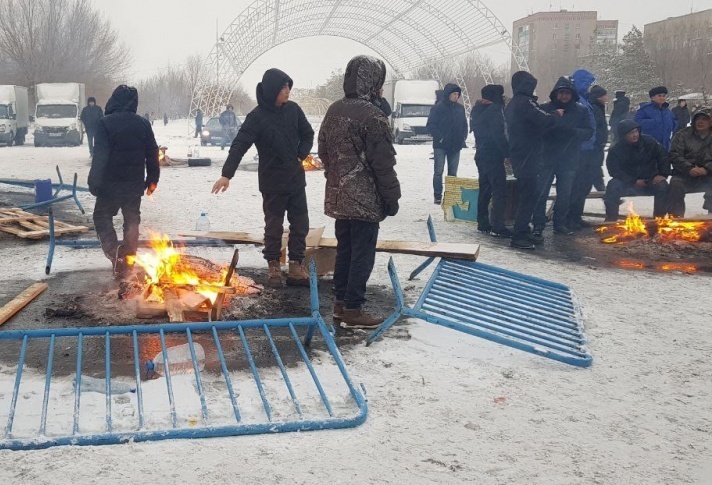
(407, 34)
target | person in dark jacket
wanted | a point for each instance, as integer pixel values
(91, 113)
(383, 104)
(638, 165)
(198, 123)
(228, 122)
(526, 125)
(590, 171)
(621, 107)
(491, 151)
(561, 155)
(655, 117)
(691, 157)
(125, 164)
(284, 138)
(447, 123)
(165, 119)
(362, 188)
(681, 114)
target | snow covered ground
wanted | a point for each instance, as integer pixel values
(444, 407)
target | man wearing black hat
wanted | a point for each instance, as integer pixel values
(91, 113)
(655, 118)
(691, 157)
(639, 166)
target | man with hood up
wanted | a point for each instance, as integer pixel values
(447, 123)
(526, 125)
(362, 188)
(125, 163)
(621, 106)
(91, 113)
(491, 151)
(561, 155)
(284, 138)
(638, 165)
(691, 157)
(655, 118)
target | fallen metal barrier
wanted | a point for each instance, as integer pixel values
(502, 306)
(251, 400)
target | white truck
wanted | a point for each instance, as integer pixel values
(411, 101)
(14, 115)
(57, 116)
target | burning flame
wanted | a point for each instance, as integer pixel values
(667, 229)
(632, 228)
(671, 229)
(312, 163)
(165, 266)
(162, 155)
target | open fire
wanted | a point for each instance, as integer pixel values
(312, 163)
(660, 230)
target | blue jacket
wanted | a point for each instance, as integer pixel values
(657, 122)
(583, 80)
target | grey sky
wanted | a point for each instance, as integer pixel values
(163, 32)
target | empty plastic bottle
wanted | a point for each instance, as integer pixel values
(203, 223)
(179, 360)
(95, 384)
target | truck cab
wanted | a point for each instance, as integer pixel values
(57, 115)
(411, 102)
(14, 117)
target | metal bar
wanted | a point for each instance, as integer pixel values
(74, 194)
(107, 370)
(429, 261)
(78, 384)
(313, 300)
(198, 380)
(228, 382)
(48, 380)
(167, 372)
(324, 399)
(52, 242)
(261, 390)
(16, 388)
(285, 376)
(61, 182)
(137, 371)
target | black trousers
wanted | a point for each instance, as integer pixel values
(274, 205)
(527, 191)
(355, 257)
(681, 185)
(493, 187)
(105, 209)
(586, 176)
(617, 188)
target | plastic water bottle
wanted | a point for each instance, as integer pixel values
(95, 384)
(179, 360)
(203, 223)
(195, 151)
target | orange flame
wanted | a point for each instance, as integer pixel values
(668, 229)
(632, 228)
(312, 163)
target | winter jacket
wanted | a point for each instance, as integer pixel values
(682, 116)
(562, 142)
(125, 158)
(90, 115)
(621, 106)
(488, 126)
(228, 120)
(599, 114)
(199, 118)
(689, 150)
(356, 148)
(639, 161)
(656, 121)
(384, 105)
(282, 135)
(526, 125)
(583, 80)
(447, 122)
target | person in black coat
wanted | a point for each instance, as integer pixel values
(198, 122)
(621, 109)
(638, 165)
(491, 151)
(681, 114)
(447, 123)
(526, 125)
(125, 164)
(228, 122)
(561, 155)
(91, 113)
(284, 138)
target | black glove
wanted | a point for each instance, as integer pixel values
(391, 208)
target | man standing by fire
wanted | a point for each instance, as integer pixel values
(125, 164)
(362, 188)
(283, 137)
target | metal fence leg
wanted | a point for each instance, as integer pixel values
(400, 303)
(429, 261)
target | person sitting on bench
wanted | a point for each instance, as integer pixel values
(638, 165)
(691, 157)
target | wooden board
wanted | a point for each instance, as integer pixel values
(31, 226)
(468, 252)
(21, 301)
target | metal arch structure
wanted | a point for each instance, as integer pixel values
(407, 34)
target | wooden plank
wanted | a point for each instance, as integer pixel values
(20, 301)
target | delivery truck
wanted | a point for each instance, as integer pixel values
(14, 115)
(411, 101)
(57, 115)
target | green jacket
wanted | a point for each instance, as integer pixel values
(689, 150)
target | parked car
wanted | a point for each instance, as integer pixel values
(212, 132)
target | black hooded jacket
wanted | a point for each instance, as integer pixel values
(621, 106)
(282, 135)
(563, 141)
(125, 158)
(447, 122)
(637, 161)
(90, 115)
(526, 125)
(487, 124)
